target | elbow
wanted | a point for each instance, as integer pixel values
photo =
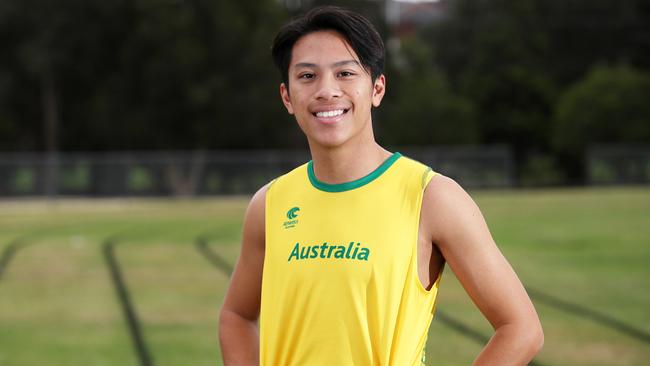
(231, 321)
(227, 321)
(535, 340)
(223, 314)
(539, 340)
(223, 323)
(532, 334)
(529, 338)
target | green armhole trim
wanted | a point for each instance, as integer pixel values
(271, 184)
(425, 175)
(342, 187)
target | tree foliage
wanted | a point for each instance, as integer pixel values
(141, 74)
(186, 74)
(609, 105)
(419, 108)
(513, 59)
(493, 52)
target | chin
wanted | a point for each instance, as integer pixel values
(329, 141)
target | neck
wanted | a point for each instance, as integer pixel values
(348, 162)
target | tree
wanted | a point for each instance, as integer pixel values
(418, 108)
(610, 105)
(513, 59)
(51, 53)
(139, 75)
(492, 52)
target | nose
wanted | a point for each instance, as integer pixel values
(328, 88)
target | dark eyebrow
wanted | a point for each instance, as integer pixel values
(305, 65)
(346, 62)
(308, 65)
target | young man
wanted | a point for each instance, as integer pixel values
(341, 258)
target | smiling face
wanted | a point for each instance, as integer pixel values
(330, 93)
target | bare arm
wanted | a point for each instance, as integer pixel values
(459, 230)
(238, 327)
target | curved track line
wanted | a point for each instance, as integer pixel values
(461, 328)
(585, 312)
(201, 244)
(127, 306)
(8, 253)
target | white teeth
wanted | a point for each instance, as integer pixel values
(333, 113)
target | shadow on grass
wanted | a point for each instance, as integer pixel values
(461, 328)
(213, 257)
(9, 252)
(584, 312)
(144, 357)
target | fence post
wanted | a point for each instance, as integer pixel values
(51, 174)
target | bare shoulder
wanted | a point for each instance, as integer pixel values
(448, 208)
(443, 194)
(257, 203)
(442, 188)
(254, 218)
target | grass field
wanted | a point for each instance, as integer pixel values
(584, 255)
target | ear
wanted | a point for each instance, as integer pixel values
(378, 90)
(286, 100)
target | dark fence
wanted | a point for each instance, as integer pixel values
(211, 172)
(618, 164)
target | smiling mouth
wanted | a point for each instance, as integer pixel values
(330, 114)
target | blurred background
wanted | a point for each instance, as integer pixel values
(541, 108)
(158, 97)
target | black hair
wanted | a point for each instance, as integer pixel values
(356, 29)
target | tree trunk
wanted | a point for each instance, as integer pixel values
(50, 134)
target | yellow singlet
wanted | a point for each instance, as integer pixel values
(340, 283)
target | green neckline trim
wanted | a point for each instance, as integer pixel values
(342, 187)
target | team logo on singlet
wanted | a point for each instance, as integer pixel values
(329, 251)
(292, 215)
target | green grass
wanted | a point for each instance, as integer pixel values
(58, 305)
(178, 306)
(57, 308)
(589, 247)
